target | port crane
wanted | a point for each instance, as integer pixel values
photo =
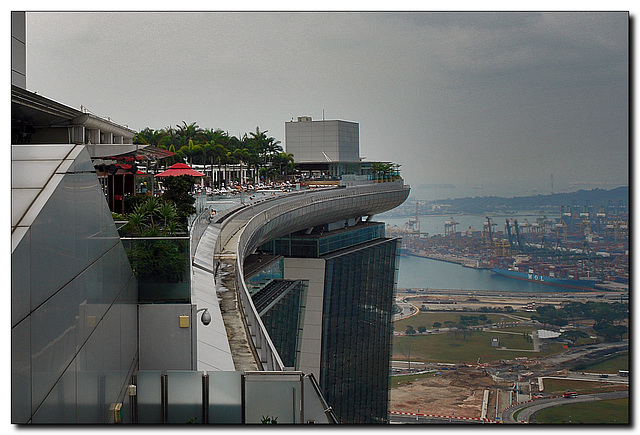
(413, 225)
(450, 227)
(518, 238)
(489, 225)
(519, 241)
(507, 227)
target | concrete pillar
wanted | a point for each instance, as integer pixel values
(93, 135)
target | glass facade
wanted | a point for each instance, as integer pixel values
(360, 276)
(257, 281)
(73, 298)
(281, 308)
(316, 245)
(356, 345)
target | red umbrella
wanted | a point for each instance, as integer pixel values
(178, 169)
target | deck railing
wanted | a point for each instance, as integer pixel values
(289, 213)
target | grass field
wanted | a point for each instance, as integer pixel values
(428, 319)
(444, 347)
(558, 386)
(601, 412)
(609, 365)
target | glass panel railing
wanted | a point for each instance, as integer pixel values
(179, 397)
(225, 397)
(162, 266)
(149, 397)
(260, 391)
(184, 397)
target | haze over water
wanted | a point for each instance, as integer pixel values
(433, 192)
(424, 273)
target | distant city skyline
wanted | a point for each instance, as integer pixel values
(492, 103)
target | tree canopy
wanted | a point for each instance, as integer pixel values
(204, 146)
(607, 317)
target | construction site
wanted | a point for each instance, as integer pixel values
(503, 363)
(582, 252)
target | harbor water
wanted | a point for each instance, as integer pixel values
(424, 273)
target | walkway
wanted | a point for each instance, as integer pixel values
(218, 285)
(213, 348)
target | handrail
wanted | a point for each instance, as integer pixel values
(260, 340)
(263, 346)
(328, 410)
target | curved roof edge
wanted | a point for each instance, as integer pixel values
(283, 215)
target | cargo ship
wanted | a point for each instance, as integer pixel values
(580, 283)
(562, 275)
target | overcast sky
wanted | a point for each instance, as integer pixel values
(492, 103)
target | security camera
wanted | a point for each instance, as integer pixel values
(206, 316)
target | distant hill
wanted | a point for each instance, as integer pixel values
(595, 197)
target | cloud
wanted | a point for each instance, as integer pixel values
(478, 98)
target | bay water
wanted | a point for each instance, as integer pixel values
(424, 273)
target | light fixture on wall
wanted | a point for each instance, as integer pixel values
(206, 316)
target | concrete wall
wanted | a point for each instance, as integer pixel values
(167, 336)
(322, 141)
(312, 270)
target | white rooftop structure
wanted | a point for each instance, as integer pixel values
(322, 141)
(543, 333)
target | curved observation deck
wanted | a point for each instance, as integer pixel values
(243, 228)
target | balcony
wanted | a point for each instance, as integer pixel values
(162, 267)
(190, 397)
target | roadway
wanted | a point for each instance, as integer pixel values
(428, 419)
(529, 409)
(407, 309)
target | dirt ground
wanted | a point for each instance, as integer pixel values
(455, 393)
(460, 392)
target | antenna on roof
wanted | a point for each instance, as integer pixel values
(323, 114)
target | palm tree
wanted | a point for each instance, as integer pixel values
(150, 207)
(284, 160)
(272, 148)
(263, 146)
(268, 172)
(136, 220)
(382, 168)
(259, 141)
(213, 136)
(168, 138)
(189, 132)
(258, 136)
(218, 153)
(242, 155)
(168, 214)
(148, 137)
